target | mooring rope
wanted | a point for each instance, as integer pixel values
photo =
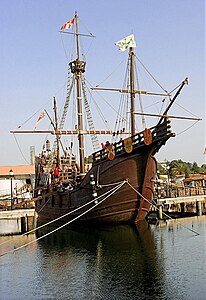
(63, 216)
(69, 222)
(196, 233)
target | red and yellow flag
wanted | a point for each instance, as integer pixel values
(42, 115)
(68, 24)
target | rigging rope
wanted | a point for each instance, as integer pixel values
(90, 122)
(196, 233)
(187, 128)
(186, 110)
(99, 110)
(65, 52)
(84, 53)
(109, 184)
(140, 100)
(151, 75)
(110, 73)
(122, 116)
(20, 149)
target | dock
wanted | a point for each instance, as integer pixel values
(179, 202)
(17, 221)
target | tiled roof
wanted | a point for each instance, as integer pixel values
(195, 177)
(18, 170)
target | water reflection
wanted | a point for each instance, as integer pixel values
(119, 262)
(108, 263)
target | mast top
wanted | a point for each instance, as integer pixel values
(77, 66)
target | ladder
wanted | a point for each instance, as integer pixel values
(70, 84)
(94, 138)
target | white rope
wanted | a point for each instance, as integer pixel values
(162, 211)
(43, 205)
(50, 222)
(109, 184)
(25, 245)
(98, 172)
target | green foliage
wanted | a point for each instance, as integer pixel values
(179, 167)
(161, 169)
(195, 168)
(203, 168)
(88, 159)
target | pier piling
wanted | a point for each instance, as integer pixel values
(16, 221)
(199, 208)
(160, 212)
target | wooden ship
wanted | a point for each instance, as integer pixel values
(118, 186)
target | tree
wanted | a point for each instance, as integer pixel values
(88, 159)
(186, 171)
(203, 168)
(179, 167)
(195, 168)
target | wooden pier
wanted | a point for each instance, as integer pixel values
(180, 202)
(17, 221)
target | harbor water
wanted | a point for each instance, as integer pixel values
(117, 263)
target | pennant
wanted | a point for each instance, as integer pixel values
(68, 24)
(42, 115)
(127, 42)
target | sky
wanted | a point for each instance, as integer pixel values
(170, 37)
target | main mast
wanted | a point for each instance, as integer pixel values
(77, 68)
(132, 91)
(57, 136)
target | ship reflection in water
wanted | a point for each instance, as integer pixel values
(117, 262)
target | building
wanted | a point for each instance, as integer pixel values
(195, 181)
(19, 179)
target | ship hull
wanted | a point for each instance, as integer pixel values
(124, 185)
(123, 206)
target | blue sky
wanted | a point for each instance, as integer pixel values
(170, 41)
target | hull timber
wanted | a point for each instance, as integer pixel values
(130, 203)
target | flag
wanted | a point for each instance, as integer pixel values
(68, 24)
(43, 114)
(127, 42)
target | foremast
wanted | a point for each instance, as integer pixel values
(77, 68)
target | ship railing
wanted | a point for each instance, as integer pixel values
(46, 182)
(159, 132)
